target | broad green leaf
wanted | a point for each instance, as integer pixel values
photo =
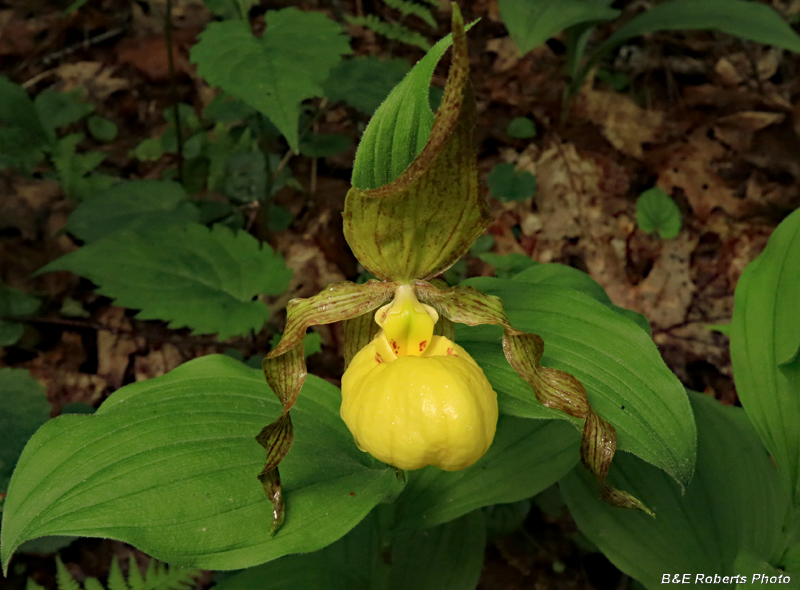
(453, 556)
(58, 109)
(566, 276)
(627, 382)
(102, 129)
(75, 169)
(138, 205)
(247, 177)
(521, 128)
(365, 81)
(508, 184)
(526, 457)
(324, 145)
(14, 303)
(169, 465)
(734, 503)
(745, 19)
(226, 109)
(532, 22)
(507, 265)
(278, 71)
(765, 347)
(370, 558)
(754, 571)
(188, 276)
(656, 211)
(419, 224)
(17, 110)
(23, 408)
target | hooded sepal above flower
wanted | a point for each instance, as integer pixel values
(423, 221)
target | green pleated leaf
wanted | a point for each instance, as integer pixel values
(23, 408)
(136, 205)
(277, 72)
(370, 557)
(453, 556)
(14, 302)
(169, 465)
(533, 23)
(566, 276)
(188, 276)
(526, 457)
(734, 503)
(765, 347)
(409, 219)
(627, 382)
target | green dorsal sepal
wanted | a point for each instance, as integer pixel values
(419, 223)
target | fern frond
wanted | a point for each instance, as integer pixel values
(407, 7)
(115, 579)
(389, 30)
(64, 578)
(31, 585)
(135, 579)
(173, 578)
(92, 584)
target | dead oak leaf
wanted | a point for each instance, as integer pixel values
(98, 80)
(157, 362)
(737, 130)
(689, 166)
(114, 347)
(624, 124)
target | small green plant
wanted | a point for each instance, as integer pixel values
(509, 184)
(29, 134)
(532, 22)
(521, 128)
(656, 211)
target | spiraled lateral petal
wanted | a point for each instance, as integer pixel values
(553, 388)
(285, 368)
(421, 223)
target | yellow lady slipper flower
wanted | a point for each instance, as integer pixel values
(413, 399)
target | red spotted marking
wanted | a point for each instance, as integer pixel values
(422, 345)
(451, 352)
(378, 358)
(395, 346)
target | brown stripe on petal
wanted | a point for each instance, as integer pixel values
(358, 332)
(336, 303)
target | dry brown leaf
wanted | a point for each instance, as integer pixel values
(58, 370)
(157, 362)
(626, 125)
(737, 130)
(507, 53)
(149, 54)
(113, 348)
(99, 81)
(665, 294)
(689, 166)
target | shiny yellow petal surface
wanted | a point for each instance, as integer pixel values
(410, 411)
